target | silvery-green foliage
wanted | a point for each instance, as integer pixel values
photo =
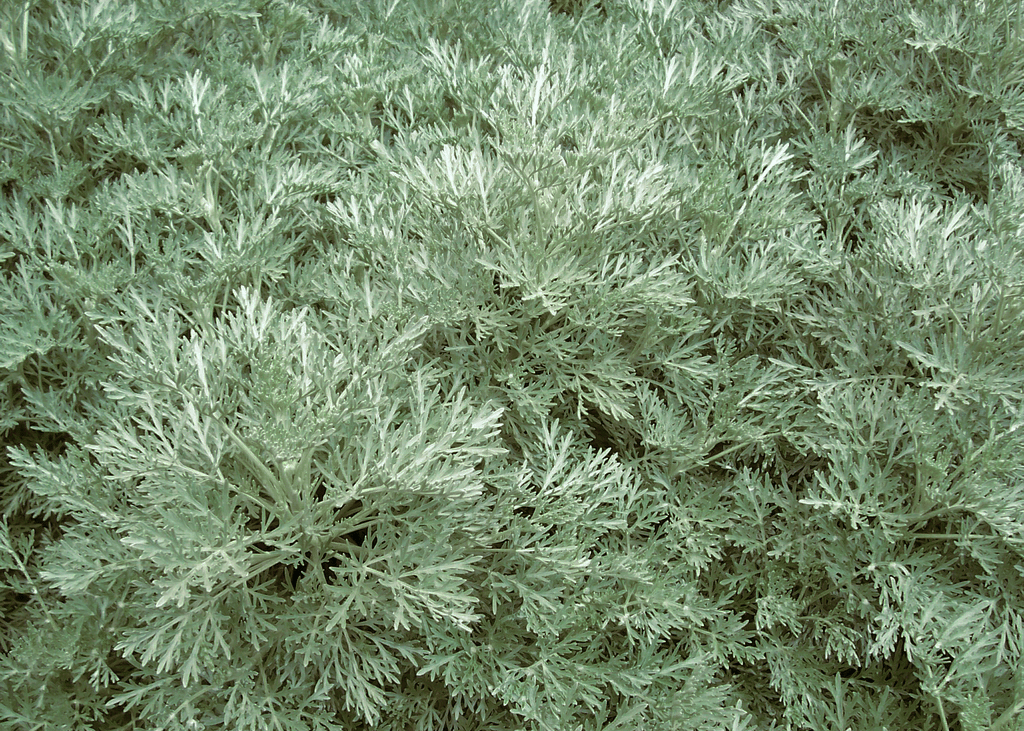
(634, 364)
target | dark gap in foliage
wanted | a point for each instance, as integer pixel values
(25, 435)
(855, 235)
(523, 511)
(575, 8)
(599, 436)
(357, 537)
(295, 574)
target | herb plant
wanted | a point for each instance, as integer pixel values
(430, 365)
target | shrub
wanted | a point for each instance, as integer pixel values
(634, 364)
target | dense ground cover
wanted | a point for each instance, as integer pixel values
(642, 364)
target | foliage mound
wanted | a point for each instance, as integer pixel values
(641, 364)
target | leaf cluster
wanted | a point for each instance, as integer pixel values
(573, 365)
